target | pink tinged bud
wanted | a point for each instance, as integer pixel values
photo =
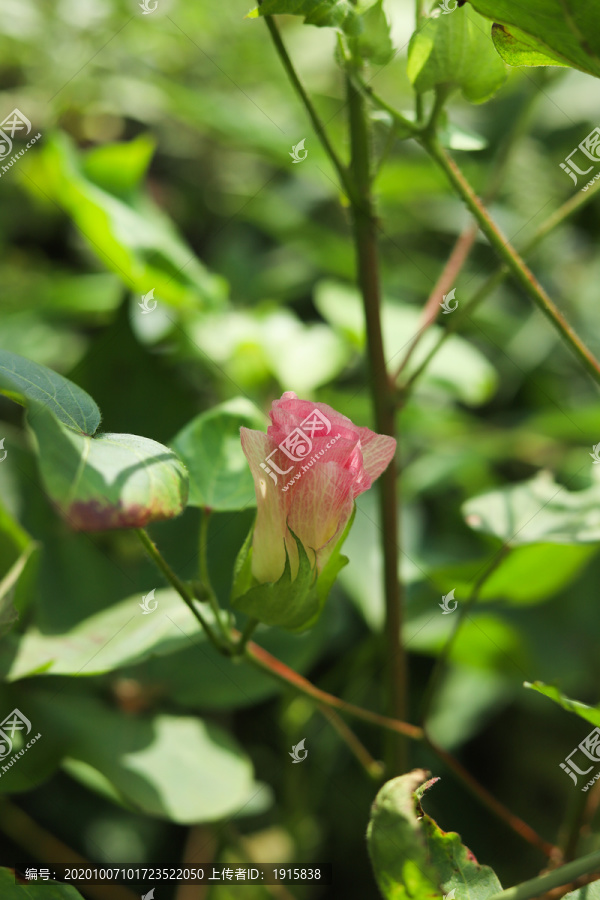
(314, 501)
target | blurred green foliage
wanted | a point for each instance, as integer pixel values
(164, 164)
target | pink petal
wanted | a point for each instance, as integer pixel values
(377, 450)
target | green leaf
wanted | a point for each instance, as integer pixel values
(537, 511)
(375, 42)
(530, 574)
(23, 380)
(339, 14)
(589, 713)
(110, 481)
(132, 237)
(517, 49)
(120, 635)
(210, 447)
(456, 51)
(412, 857)
(563, 29)
(175, 767)
(45, 890)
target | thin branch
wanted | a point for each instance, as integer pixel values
(161, 563)
(372, 767)
(572, 205)
(516, 265)
(464, 609)
(499, 809)
(308, 106)
(263, 660)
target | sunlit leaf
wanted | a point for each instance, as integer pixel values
(109, 481)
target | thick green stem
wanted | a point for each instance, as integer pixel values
(365, 240)
(173, 579)
(535, 887)
(517, 267)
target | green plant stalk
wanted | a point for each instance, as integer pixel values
(504, 249)
(163, 566)
(543, 883)
(308, 106)
(365, 240)
(203, 567)
(552, 222)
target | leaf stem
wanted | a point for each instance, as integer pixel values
(557, 218)
(372, 767)
(543, 883)
(383, 395)
(308, 106)
(509, 255)
(262, 659)
(203, 567)
(161, 563)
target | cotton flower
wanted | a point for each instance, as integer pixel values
(308, 469)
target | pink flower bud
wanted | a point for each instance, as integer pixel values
(307, 471)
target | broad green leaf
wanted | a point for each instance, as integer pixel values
(110, 481)
(589, 713)
(537, 511)
(119, 168)
(210, 447)
(587, 892)
(132, 237)
(175, 767)
(517, 49)
(45, 890)
(396, 842)
(374, 42)
(567, 29)
(121, 635)
(412, 857)
(530, 574)
(456, 51)
(23, 380)
(251, 345)
(339, 14)
(457, 368)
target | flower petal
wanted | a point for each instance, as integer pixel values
(377, 451)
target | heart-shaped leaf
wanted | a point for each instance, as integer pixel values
(210, 447)
(23, 381)
(110, 481)
(565, 29)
